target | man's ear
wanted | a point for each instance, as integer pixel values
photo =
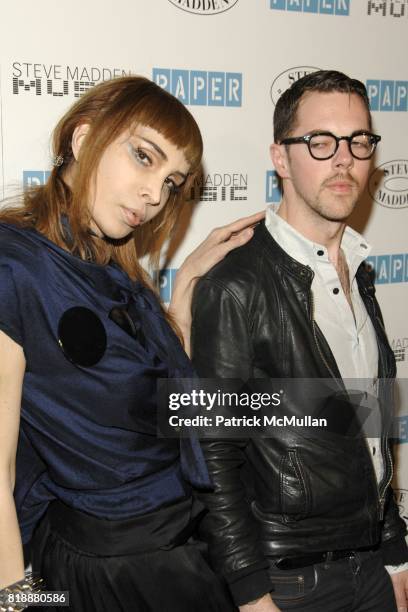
(280, 160)
(78, 136)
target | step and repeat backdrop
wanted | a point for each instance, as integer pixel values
(228, 61)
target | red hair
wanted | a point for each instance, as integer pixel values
(109, 108)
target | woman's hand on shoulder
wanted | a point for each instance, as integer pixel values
(213, 249)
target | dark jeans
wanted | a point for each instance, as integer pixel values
(356, 584)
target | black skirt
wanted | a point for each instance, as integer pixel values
(145, 564)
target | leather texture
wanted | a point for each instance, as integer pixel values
(286, 496)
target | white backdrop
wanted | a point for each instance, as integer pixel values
(229, 60)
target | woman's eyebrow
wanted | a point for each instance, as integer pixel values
(162, 155)
(156, 147)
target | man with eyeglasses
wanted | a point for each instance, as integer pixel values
(315, 523)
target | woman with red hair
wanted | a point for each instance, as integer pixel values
(107, 505)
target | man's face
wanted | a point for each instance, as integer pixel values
(330, 188)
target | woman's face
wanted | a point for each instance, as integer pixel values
(136, 175)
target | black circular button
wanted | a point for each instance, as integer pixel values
(82, 336)
(320, 252)
(336, 290)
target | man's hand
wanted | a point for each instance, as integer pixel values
(400, 584)
(265, 604)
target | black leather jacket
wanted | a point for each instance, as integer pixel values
(253, 318)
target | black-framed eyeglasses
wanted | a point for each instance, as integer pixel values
(323, 145)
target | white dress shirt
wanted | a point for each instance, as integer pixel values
(350, 335)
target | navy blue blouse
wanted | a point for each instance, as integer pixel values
(88, 433)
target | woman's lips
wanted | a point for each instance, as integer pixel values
(132, 218)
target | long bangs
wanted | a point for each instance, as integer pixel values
(168, 116)
(123, 103)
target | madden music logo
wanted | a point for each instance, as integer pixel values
(285, 79)
(388, 184)
(400, 347)
(392, 8)
(204, 7)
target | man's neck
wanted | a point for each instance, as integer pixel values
(315, 228)
(324, 232)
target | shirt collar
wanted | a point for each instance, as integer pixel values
(310, 253)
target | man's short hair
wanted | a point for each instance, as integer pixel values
(325, 81)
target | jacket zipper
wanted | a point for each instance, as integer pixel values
(381, 495)
(384, 441)
(312, 309)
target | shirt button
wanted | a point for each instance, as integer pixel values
(320, 252)
(336, 290)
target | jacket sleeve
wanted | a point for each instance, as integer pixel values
(222, 348)
(394, 548)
